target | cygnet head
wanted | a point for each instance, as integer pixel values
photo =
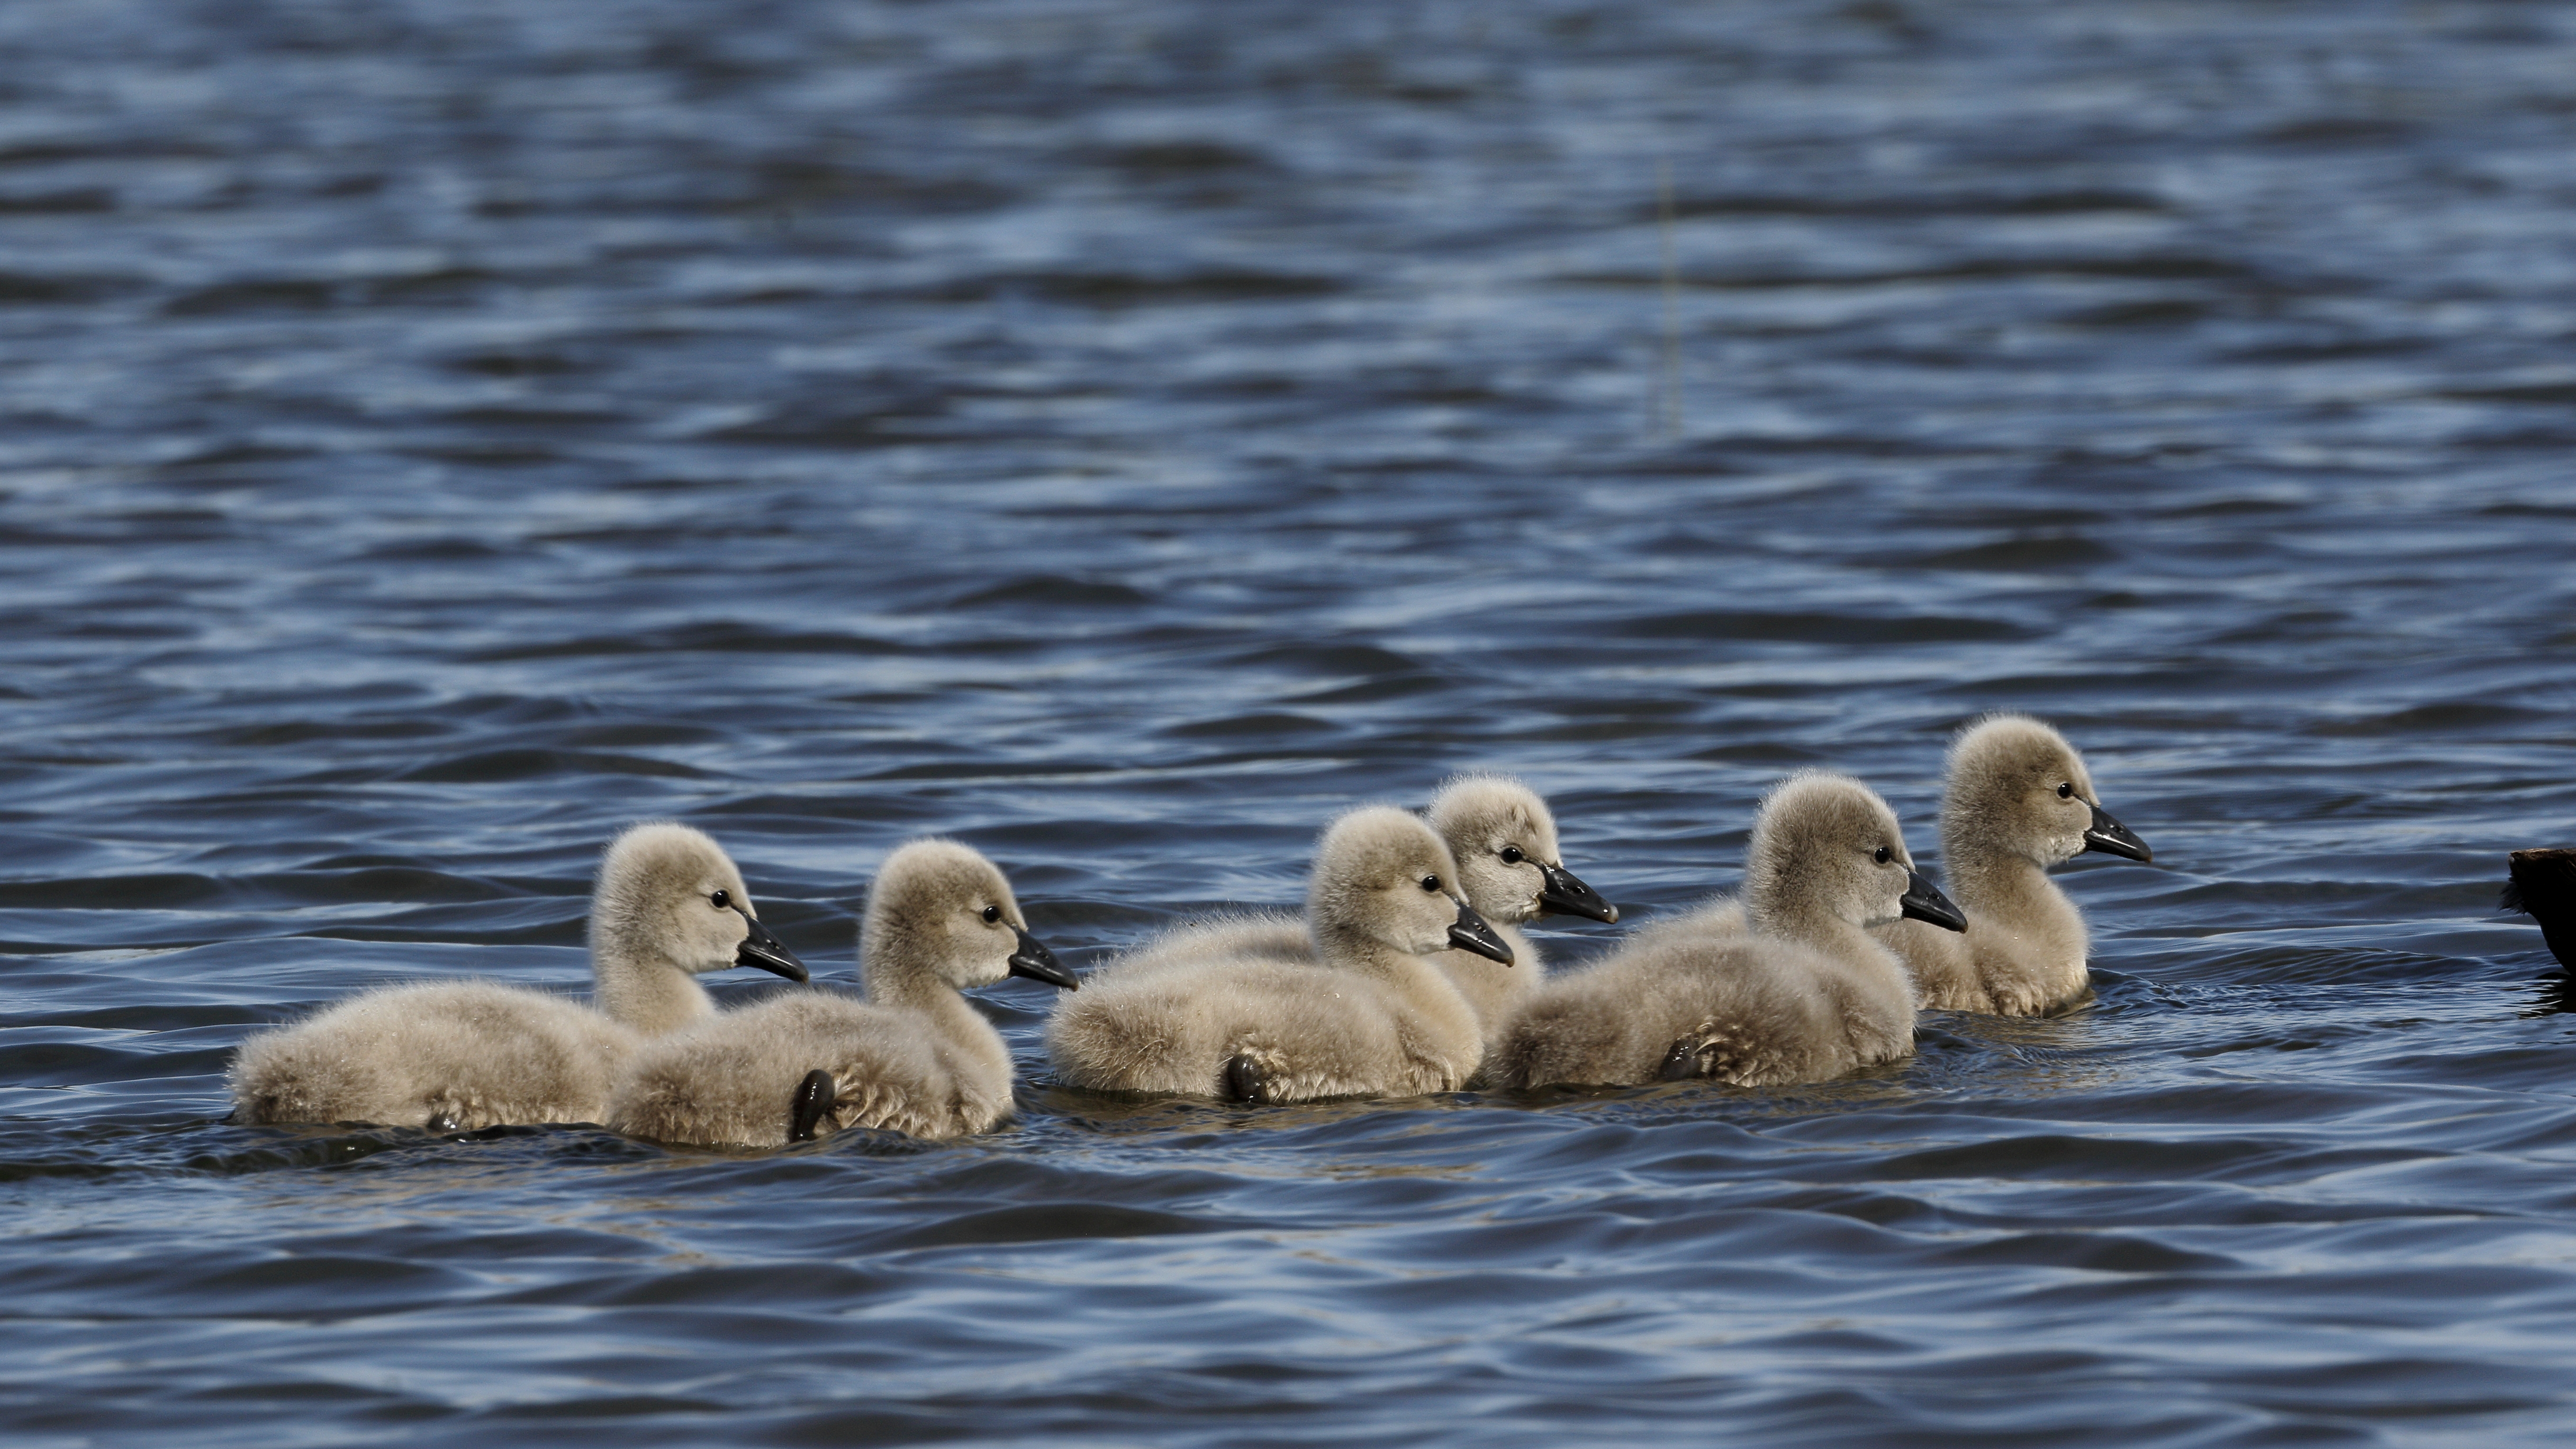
(1504, 840)
(1382, 877)
(941, 910)
(1826, 845)
(2017, 788)
(668, 894)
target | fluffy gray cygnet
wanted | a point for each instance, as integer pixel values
(2016, 800)
(1368, 1015)
(1803, 993)
(1503, 837)
(913, 1056)
(461, 1055)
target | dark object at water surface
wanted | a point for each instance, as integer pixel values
(2544, 888)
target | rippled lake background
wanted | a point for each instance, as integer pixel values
(1120, 434)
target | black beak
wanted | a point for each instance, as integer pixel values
(1564, 894)
(1034, 961)
(761, 949)
(1924, 902)
(2111, 837)
(1470, 933)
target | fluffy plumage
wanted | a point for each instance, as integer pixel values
(1801, 993)
(2016, 800)
(912, 1056)
(1503, 838)
(461, 1055)
(1209, 1014)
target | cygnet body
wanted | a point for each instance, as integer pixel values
(2015, 800)
(912, 1056)
(1801, 993)
(1367, 1015)
(1503, 838)
(462, 1055)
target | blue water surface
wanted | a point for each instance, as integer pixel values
(1120, 435)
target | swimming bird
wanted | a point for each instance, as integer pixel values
(1503, 838)
(1368, 1015)
(1803, 992)
(461, 1055)
(912, 1056)
(2543, 886)
(2016, 800)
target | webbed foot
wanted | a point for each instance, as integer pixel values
(1243, 1079)
(1687, 1059)
(813, 1100)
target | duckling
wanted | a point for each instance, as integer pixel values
(2543, 886)
(1801, 993)
(2016, 800)
(1367, 1016)
(1503, 838)
(913, 1056)
(461, 1055)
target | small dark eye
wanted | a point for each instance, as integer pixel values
(1885, 855)
(723, 899)
(2066, 792)
(1431, 883)
(992, 914)
(1512, 855)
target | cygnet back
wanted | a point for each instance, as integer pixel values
(1503, 838)
(462, 1055)
(910, 1056)
(1803, 995)
(1367, 1016)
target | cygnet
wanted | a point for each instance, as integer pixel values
(1802, 993)
(2016, 800)
(2543, 886)
(913, 1056)
(1368, 1015)
(1503, 838)
(461, 1055)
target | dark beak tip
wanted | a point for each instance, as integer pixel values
(2110, 837)
(1470, 933)
(1034, 961)
(772, 958)
(1564, 894)
(1924, 902)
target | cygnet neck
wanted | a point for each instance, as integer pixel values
(1986, 876)
(894, 982)
(1350, 948)
(644, 990)
(892, 972)
(891, 976)
(1798, 916)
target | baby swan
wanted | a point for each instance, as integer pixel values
(1802, 994)
(913, 1056)
(1503, 838)
(2543, 887)
(461, 1055)
(2017, 800)
(1367, 1016)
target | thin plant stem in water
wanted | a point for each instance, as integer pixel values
(1669, 394)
